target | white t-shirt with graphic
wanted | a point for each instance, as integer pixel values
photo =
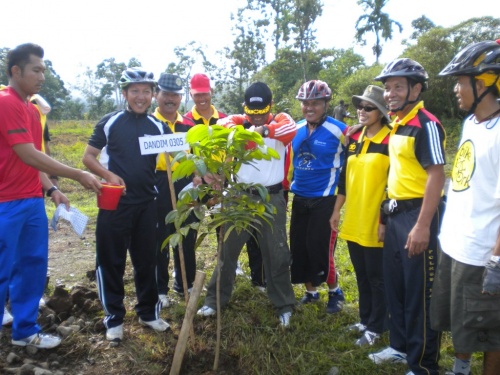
(471, 220)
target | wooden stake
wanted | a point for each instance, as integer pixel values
(187, 324)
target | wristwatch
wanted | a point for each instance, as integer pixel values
(265, 131)
(51, 190)
(495, 258)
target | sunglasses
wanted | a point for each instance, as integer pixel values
(367, 109)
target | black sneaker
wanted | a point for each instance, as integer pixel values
(335, 302)
(309, 297)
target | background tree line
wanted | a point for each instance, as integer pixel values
(288, 26)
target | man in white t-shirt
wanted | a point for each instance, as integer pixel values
(466, 290)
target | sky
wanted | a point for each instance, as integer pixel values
(77, 35)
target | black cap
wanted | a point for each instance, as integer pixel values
(258, 98)
(170, 83)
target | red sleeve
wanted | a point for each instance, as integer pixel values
(230, 121)
(282, 128)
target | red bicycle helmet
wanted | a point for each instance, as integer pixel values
(314, 89)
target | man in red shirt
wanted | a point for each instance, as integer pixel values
(23, 221)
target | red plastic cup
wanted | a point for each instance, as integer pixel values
(110, 196)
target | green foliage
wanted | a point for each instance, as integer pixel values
(53, 91)
(4, 79)
(73, 109)
(219, 152)
(275, 12)
(110, 71)
(421, 26)
(304, 14)
(339, 68)
(356, 83)
(376, 22)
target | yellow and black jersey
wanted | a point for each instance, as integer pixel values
(417, 142)
(363, 182)
(181, 125)
(200, 120)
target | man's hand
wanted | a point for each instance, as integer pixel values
(491, 278)
(381, 232)
(88, 181)
(334, 221)
(214, 180)
(58, 197)
(418, 240)
(350, 131)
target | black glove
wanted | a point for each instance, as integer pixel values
(491, 278)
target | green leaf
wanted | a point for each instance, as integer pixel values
(170, 218)
(201, 167)
(175, 239)
(199, 239)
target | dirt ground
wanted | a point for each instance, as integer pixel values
(72, 262)
(70, 257)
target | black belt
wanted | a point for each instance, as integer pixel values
(273, 189)
(392, 206)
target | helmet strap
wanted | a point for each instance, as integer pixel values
(317, 123)
(477, 99)
(407, 100)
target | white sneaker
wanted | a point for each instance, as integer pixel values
(115, 333)
(159, 325)
(39, 340)
(388, 355)
(261, 288)
(206, 311)
(41, 303)
(164, 301)
(239, 271)
(7, 317)
(357, 327)
(285, 319)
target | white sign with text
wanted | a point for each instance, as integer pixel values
(163, 143)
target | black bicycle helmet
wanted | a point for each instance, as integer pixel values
(405, 68)
(136, 75)
(475, 59)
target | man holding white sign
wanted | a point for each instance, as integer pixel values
(116, 141)
(169, 97)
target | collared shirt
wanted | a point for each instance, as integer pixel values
(181, 125)
(199, 119)
(117, 136)
(363, 182)
(416, 142)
